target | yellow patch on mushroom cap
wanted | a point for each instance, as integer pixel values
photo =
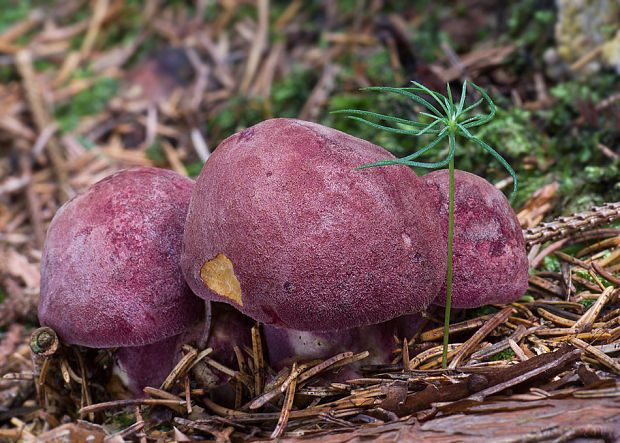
(219, 275)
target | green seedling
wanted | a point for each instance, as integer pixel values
(447, 121)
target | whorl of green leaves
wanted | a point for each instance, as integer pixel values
(449, 121)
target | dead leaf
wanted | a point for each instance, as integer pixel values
(539, 204)
(76, 433)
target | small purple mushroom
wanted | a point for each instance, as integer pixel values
(110, 273)
(489, 258)
(284, 228)
(284, 345)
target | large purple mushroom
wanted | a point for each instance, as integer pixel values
(284, 228)
(489, 258)
(110, 273)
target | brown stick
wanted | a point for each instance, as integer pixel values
(23, 62)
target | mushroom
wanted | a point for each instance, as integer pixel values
(110, 273)
(228, 328)
(284, 228)
(489, 258)
(284, 345)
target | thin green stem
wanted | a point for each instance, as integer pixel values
(446, 327)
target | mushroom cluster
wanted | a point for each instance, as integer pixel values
(284, 228)
(281, 226)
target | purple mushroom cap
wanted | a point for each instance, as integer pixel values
(110, 272)
(284, 228)
(489, 259)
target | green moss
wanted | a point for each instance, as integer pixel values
(30, 325)
(245, 10)
(88, 102)
(42, 65)
(573, 249)
(8, 74)
(482, 310)
(552, 263)
(587, 175)
(238, 113)
(513, 130)
(506, 354)
(427, 36)
(289, 94)
(193, 169)
(565, 152)
(530, 25)
(347, 6)
(378, 67)
(155, 153)
(13, 11)
(85, 142)
(583, 274)
(121, 420)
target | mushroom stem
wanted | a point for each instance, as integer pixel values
(286, 345)
(148, 365)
